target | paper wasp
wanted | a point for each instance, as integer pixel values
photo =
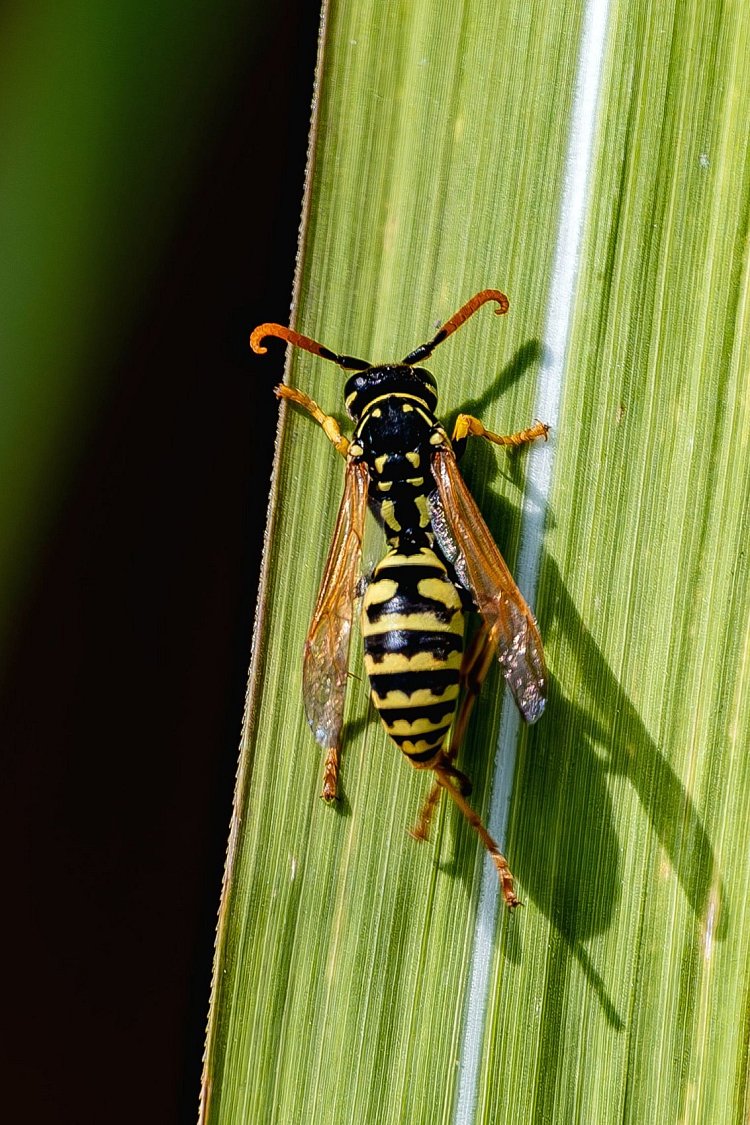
(440, 563)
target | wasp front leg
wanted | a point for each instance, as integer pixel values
(327, 422)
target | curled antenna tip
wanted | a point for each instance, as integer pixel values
(256, 336)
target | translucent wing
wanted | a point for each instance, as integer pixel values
(327, 645)
(510, 621)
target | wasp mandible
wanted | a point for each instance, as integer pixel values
(441, 562)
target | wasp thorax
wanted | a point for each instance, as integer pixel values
(393, 378)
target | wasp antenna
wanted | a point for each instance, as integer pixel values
(450, 326)
(299, 341)
(288, 334)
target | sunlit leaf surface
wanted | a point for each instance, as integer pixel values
(620, 991)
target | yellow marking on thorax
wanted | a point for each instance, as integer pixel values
(392, 395)
(424, 510)
(380, 463)
(388, 512)
(413, 459)
(428, 418)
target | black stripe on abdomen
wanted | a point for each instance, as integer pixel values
(411, 641)
(413, 629)
(434, 680)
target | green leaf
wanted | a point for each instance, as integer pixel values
(620, 991)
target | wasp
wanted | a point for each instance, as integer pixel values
(440, 564)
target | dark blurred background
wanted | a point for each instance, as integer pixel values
(152, 162)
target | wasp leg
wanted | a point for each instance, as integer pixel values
(445, 775)
(331, 775)
(468, 426)
(476, 664)
(421, 829)
(326, 421)
(474, 668)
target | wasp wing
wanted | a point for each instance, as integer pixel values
(327, 645)
(510, 622)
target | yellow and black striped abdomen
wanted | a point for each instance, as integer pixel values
(413, 628)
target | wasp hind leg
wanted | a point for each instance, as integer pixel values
(476, 663)
(327, 422)
(444, 774)
(474, 668)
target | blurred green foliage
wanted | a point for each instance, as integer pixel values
(103, 108)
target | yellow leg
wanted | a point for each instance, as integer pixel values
(329, 424)
(474, 668)
(468, 426)
(444, 775)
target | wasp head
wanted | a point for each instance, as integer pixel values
(386, 379)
